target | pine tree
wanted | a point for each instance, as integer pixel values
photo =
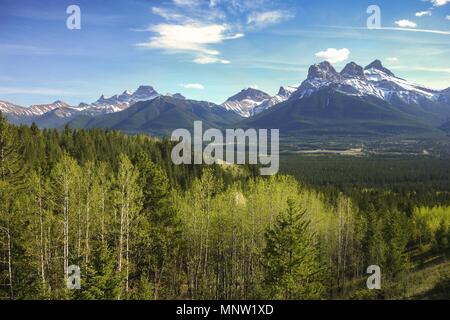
(102, 281)
(160, 225)
(128, 204)
(293, 270)
(65, 176)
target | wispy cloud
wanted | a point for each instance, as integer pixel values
(267, 18)
(271, 64)
(195, 86)
(406, 23)
(422, 69)
(333, 55)
(6, 78)
(194, 38)
(439, 3)
(36, 91)
(209, 60)
(392, 59)
(168, 14)
(441, 32)
(423, 13)
(188, 3)
(196, 27)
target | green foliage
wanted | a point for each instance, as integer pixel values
(102, 281)
(140, 227)
(292, 263)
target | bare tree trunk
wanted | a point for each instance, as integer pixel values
(66, 230)
(41, 225)
(10, 265)
(10, 276)
(122, 216)
(79, 227)
(122, 208)
(87, 230)
(102, 219)
(127, 226)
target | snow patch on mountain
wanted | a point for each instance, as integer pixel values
(143, 93)
(250, 101)
(373, 80)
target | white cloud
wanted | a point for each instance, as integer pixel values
(406, 24)
(168, 14)
(423, 13)
(263, 19)
(392, 59)
(447, 17)
(186, 3)
(439, 3)
(196, 27)
(195, 86)
(189, 37)
(334, 55)
(209, 59)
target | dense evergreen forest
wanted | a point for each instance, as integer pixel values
(139, 227)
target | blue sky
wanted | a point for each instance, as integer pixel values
(209, 49)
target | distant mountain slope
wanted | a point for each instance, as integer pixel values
(161, 116)
(143, 93)
(446, 127)
(250, 102)
(332, 112)
(59, 113)
(21, 115)
(358, 100)
(245, 101)
(363, 101)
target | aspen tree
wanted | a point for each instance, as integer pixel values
(65, 176)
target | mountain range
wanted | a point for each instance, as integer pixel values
(59, 113)
(363, 101)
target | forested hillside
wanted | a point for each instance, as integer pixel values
(141, 228)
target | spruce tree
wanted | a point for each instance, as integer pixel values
(292, 270)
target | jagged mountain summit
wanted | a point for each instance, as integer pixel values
(162, 115)
(374, 80)
(357, 100)
(245, 101)
(377, 65)
(143, 93)
(250, 101)
(59, 113)
(34, 110)
(284, 93)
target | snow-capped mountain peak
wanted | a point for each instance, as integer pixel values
(143, 93)
(373, 80)
(125, 96)
(323, 71)
(245, 101)
(352, 70)
(286, 92)
(250, 101)
(176, 96)
(378, 65)
(250, 94)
